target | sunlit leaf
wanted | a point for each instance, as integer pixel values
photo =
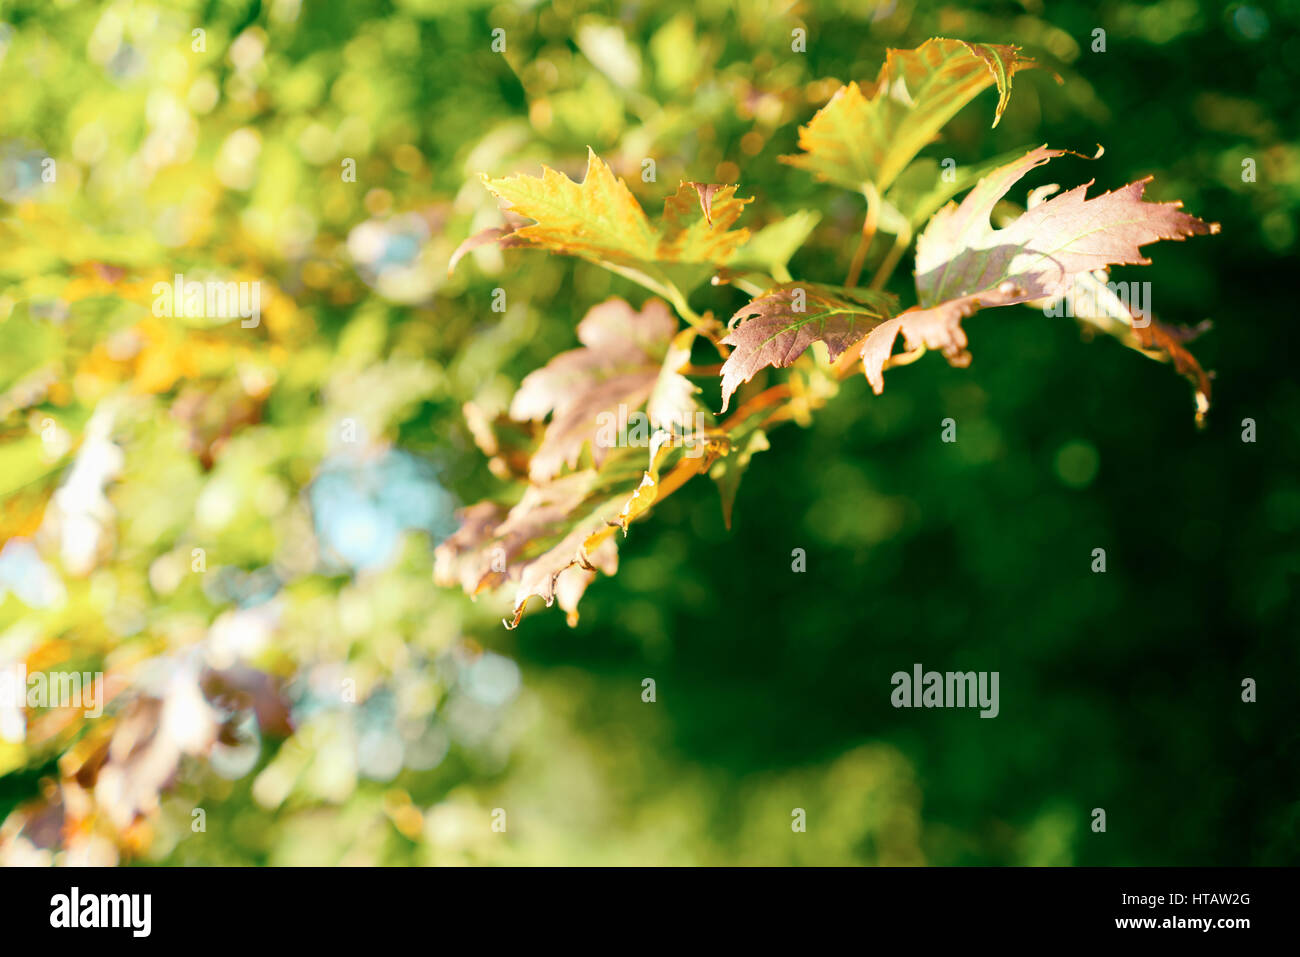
(964, 264)
(870, 136)
(559, 527)
(615, 372)
(599, 218)
(776, 328)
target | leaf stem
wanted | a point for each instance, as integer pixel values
(665, 287)
(679, 476)
(868, 234)
(886, 269)
(753, 288)
(767, 397)
(686, 312)
(847, 363)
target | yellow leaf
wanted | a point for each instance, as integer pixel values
(860, 138)
(599, 218)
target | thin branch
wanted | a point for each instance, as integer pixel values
(663, 287)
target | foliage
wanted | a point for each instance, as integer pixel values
(864, 142)
(239, 525)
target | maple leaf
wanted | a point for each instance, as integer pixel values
(688, 238)
(620, 364)
(121, 768)
(599, 219)
(938, 328)
(508, 443)
(777, 327)
(551, 544)
(964, 264)
(870, 137)
(1044, 248)
(672, 405)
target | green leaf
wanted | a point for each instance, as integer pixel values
(860, 138)
(728, 471)
(771, 247)
(922, 189)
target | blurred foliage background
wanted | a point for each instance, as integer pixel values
(129, 441)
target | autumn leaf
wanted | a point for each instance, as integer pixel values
(672, 405)
(870, 137)
(1165, 341)
(561, 532)
(960, 254)
(689, 239)
(570, 584)
(599, 219)
(938, 328)
(508, 443)
(776, 328)
(120, 769)
(558, 537)
(964, 264)
(614, 373)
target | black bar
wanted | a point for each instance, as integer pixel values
(306, 906)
